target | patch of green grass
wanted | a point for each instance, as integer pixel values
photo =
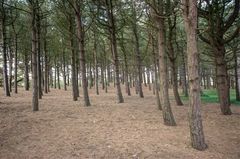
(210, 96)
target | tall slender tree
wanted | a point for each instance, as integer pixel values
(195, 120)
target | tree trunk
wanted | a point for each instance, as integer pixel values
(96, 65)
(208, 80)
(34, 56)
(183, 76)
(58, 77)
(237, 78)
(102, 76)
(80, 35)
(10, 63)
(127, 85)
(68, 76)
(46, 71)
(26, 73)
(137, 53)
(166, 108)
(222, 83)
(175, 84)
(156, 88)
(55, 73)
(148, 79)
(38, 23)
(195, 121)
(113, 39)
(64, 72)
(15, 63)
(4, 50)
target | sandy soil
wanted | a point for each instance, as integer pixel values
(65, 129)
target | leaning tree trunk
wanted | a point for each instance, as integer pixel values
(195, 121)
(164, 95)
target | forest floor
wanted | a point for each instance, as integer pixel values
(65, 129)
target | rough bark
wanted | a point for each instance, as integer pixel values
(222, 83)
(80, 35)
(96, 65)
(15, 59)
(137, 52)
(112, 31)
(164, 95)
(175, 84)
(10, 66)
(64, 72)
(26, 72)
(4, 50)
(195, 121)
(73, 58)
(33, 7)
(126, 69)
(237, 77)
(46, 71)
(220, 32)
(58, 77)
(39, 71)
(148, 79)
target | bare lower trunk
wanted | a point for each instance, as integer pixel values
(58, 77)
(26, 72)
(113, 40)
(10, 63)
(102, 77)
(195, 120)
(64, 72)
(166, 107)
(237, 78)
(34, 59)
(156, 89)
(15, 65)
(148, 79)
(39, 71)
(223, 85)
(3, 43)
(80, 35)
(175, 83)
(46, 84)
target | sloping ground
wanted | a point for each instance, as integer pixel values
(65, 129)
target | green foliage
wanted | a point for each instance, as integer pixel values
(210, 96)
